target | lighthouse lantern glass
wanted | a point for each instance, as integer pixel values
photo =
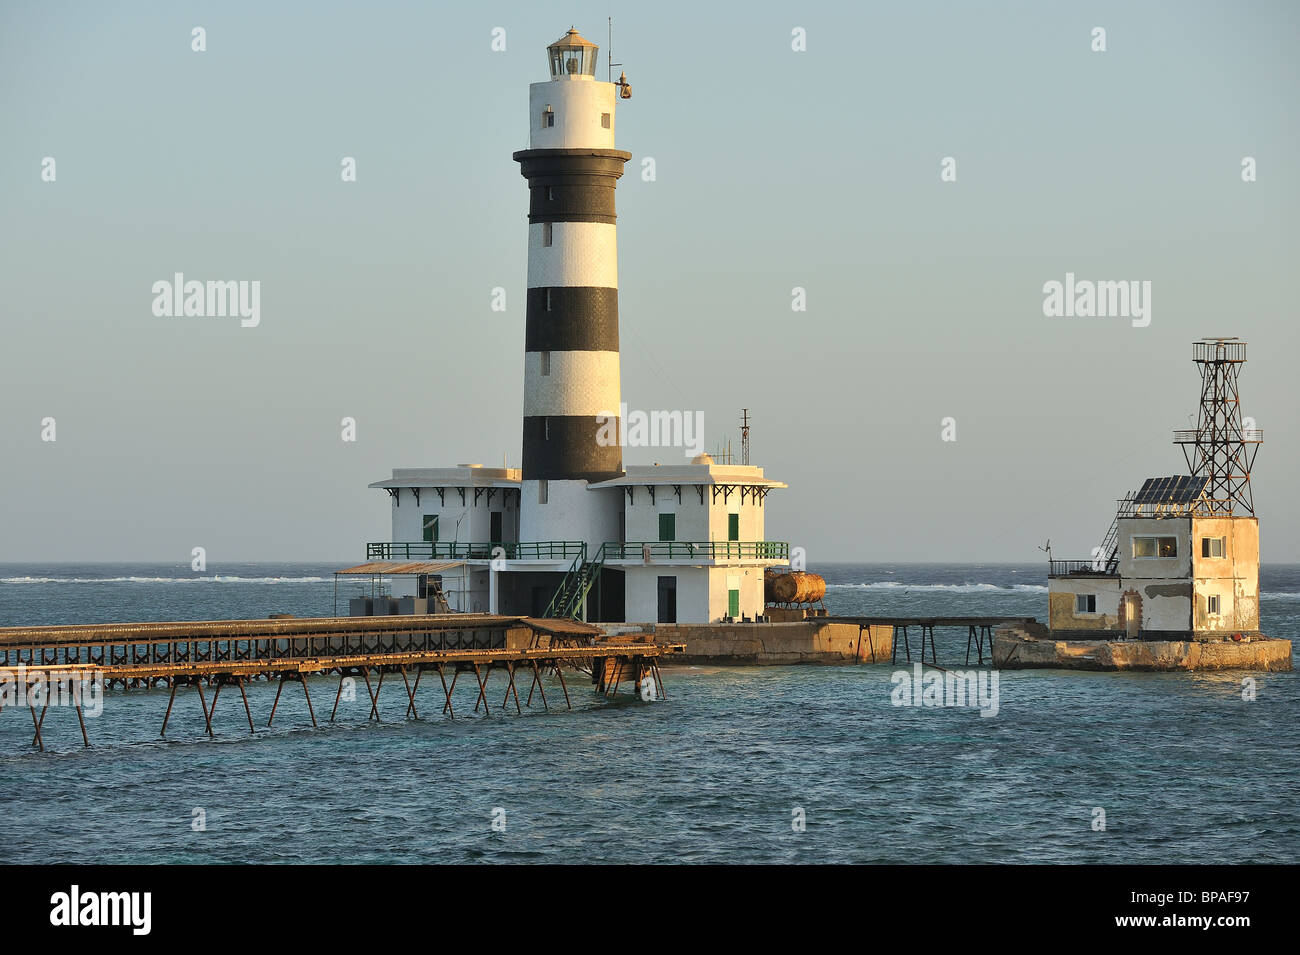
(573, 61)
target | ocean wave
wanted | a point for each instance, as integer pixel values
(946, 588)
(214, 579)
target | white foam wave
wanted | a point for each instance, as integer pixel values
(945, 588)
(214, 579)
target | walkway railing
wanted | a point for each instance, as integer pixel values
(1063, 568)
(697, 550)
(461, 550)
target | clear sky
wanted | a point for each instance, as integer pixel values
(775, 168)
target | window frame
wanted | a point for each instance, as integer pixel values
(1088, 600)
(1156, 538)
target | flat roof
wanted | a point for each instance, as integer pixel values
(462, 475)
(692, 474)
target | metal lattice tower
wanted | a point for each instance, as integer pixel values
(744, 436)
(1220, 448)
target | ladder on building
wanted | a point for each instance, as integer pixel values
(1110, 546)
(575, 586)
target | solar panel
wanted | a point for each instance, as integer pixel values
(1177, 489)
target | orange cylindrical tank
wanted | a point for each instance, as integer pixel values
(795, 587)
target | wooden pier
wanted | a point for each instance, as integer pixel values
(978, 630)
(229, 653)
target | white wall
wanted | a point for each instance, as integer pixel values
(578, 103)
(695, 522)
(582, 383)
(701, 592)
(475, 520)
(572, 513)
(581, 255)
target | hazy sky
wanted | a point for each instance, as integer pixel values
(774, 169)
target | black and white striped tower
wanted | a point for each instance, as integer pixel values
(571, 362)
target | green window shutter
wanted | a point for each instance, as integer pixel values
(430, 526)
(733, 527)
(668, 527)
(733, 603)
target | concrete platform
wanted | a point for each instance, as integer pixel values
(774, 644)
(1024, 648)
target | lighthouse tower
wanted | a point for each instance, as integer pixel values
(571, 358)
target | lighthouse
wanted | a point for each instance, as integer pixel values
(574, 532)
(571, 350)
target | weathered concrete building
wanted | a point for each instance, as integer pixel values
(1176, 570)
(1175, 584)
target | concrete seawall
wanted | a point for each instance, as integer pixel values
(771, 644)
(1024, 648)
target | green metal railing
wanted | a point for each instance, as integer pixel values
(453, 550)
(697, 550)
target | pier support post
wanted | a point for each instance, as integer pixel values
(447, 708)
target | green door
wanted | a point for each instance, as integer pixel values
(733, 603)
(430, 525)
(733, 527)
(668, 527)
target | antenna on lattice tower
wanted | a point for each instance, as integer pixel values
(744, 436)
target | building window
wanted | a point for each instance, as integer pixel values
(545, 360)
(1085, 603)
(548, 118)
(546, 429)
(1155, 547)
(550, 193)
(548, 300)
(733, 527)
(1212, 546)
(1212, 604)
(604, 120)
(546, 234)
(429, 526)
(543, 492)
(668, 527)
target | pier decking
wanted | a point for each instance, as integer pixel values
(978, 630)
(231, 652)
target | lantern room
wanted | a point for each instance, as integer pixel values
(572, 57)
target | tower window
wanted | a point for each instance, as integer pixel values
(1155, 547)
(548, 118)
(546, 233)
(604, 120)
(543, 492)
(1212, 546)
(546, 428)
(545, 363)
(550, 193)
(1085, 603)
(1212, 604)
(548, 300)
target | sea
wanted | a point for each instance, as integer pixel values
(737, 765)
